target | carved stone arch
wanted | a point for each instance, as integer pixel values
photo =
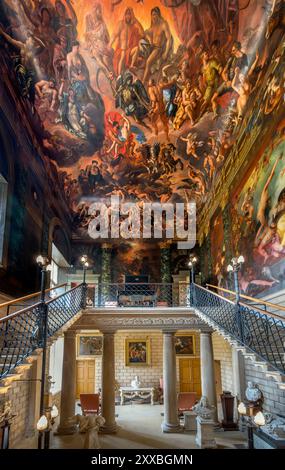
(57, 235)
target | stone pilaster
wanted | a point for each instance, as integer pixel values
(68, 393)
(171, 420)
(108, 383)
(207, 370)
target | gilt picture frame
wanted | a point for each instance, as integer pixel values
(89, 345)
(137, 352)
(185, 345)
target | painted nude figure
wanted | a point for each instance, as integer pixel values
(160, 39)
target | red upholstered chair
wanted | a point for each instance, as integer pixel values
(90, 403)
(186, 400)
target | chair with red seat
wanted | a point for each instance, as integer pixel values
(185, 401)
(90, 403)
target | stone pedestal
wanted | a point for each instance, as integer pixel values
(190, 421)
(228, 404)
(205, 433)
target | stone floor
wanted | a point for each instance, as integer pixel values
(139, 427)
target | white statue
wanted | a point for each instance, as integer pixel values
(135, 383)
(90, 425)
(252, 392)
(274, 426)
(204, 409)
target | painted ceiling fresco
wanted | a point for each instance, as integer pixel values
(139, 98)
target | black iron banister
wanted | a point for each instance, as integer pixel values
(261, 332)
(22, 332)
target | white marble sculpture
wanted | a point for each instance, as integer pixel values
(204, 409)
(252, 392)
(274, 426)
(135, 383)
(90, 425)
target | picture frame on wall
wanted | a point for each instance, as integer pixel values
(137, 352)
(89, 346)
(185, 345)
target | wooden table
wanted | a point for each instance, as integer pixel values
(141, 392)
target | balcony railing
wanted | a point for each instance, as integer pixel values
(139, 295)
(260, 331)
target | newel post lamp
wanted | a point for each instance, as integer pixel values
(252, 422)
(192, 261)
(234, 267)
(85, 265)
(45, 424)
(45, 266)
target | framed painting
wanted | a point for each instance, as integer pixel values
(137, 352)
(89, 346)
(185, 345)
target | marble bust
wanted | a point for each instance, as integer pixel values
(135, 383)
(204, 409)
(252, 392)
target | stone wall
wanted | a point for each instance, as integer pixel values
(149, 375)
(223, 353)
(274, 398)
(24, 395)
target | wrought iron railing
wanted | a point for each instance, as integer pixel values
(139, 295)
(263, 333)
(12, 306)
(22, 332)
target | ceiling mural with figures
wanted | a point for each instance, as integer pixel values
(143, 99)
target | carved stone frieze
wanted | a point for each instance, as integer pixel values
(117, 321)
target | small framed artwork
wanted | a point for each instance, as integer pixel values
(137, 352)
(185, 345)
(89, 346)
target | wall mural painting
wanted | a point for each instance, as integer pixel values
(136, 258)
(142, 99)
(258, 221)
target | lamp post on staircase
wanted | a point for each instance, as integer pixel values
(85, 266)
(234, 267)
(192, 261)
(45, 266)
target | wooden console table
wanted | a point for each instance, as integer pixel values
(141, 392)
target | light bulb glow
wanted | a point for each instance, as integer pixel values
(230, 268)
(259, 419)
(42, 423)
(242, 408)
(240, 259)
(40, 260)
(54, 412)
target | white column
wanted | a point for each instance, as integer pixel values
(108, 383)
(68, 389)
(171, 420)
(207, 370)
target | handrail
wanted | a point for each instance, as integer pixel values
(18, 313)
(61, 295)
(247, 297)
(30, 296)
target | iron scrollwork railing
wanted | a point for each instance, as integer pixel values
(22, 332)
(140, 295)
(263, 333)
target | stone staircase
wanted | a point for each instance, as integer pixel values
(265, 366)
(25, 363)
